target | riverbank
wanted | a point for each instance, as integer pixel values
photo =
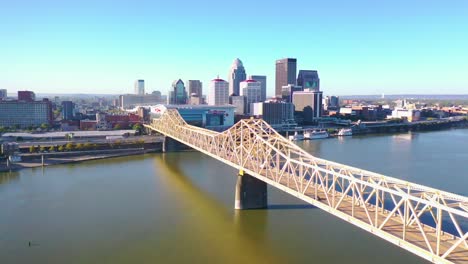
(432, 125)
(34, 160)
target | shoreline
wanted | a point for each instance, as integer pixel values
(51, 159)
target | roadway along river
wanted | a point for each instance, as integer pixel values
(178, 207)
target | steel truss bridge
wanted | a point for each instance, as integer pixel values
(427, 222)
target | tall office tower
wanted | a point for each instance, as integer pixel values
(3, 94)
(236, 75)
(219, 92)
(67, 110)
(26, 96)
(263, 80)
(332, 102)
(140, 87)
(251, 89)
(288, 90)
(308, 80)
(285, 74)
(308, 104)
(195, 87)
(178, 94)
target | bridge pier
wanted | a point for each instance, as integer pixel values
(251, 193)
(169, 145)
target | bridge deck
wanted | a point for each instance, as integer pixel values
(387, 207)
(394, 226)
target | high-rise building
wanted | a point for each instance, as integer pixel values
(263, 80)
(178, 94)
(140, 87)
(26, 96)
(239, 102)
(332, 102)
(195, 87)
(219, 92)
(67, 110)
(288, 90)
(251, 89)
(3, 94)
(274, 113)
(308, 80)
(25, 113)
(285, 74)
(236, 76)
(308, 104)
(132, 100)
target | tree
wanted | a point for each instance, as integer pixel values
(137, 127)
(44, 126)
(117, 127)
(42, 149)
(61, 148)
(79, 146)
(32, 149)
(69, 146)
(87, 145)
(52, 148)
(141, 142)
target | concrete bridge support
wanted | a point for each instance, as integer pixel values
(171, 145)
(251, 193)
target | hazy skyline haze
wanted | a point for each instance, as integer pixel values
(358, 47)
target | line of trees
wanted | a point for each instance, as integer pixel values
(67, 147)
(84, 146)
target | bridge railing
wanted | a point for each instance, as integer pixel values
(422, 219)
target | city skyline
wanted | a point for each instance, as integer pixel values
(362, 47)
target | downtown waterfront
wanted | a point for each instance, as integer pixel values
(178, 207)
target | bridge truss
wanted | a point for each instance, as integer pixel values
(427, 222)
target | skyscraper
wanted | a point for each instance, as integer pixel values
(308, 80)
(67, 110)
(263, 80)
(219, 92)
(195, 87)
(3, 94)
(285, 74)
(140, 87)
(251, 90)
(288, 90)
(178, 94)
(236, 75)
(308, 104)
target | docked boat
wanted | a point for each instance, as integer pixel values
(345, 132)
(296, 137)
(15, 158)
(315, 134)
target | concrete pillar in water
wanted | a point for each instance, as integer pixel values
(170, 145)
(251, 193)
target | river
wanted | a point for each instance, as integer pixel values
(178, 207)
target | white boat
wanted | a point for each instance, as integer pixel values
(14, 158)
(315, 134)
(345, 132)
(296, 137)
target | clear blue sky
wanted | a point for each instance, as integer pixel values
(358, 47)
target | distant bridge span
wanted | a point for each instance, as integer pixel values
(427, 222)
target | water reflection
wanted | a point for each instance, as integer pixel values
(7, 177)
(225, 230)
